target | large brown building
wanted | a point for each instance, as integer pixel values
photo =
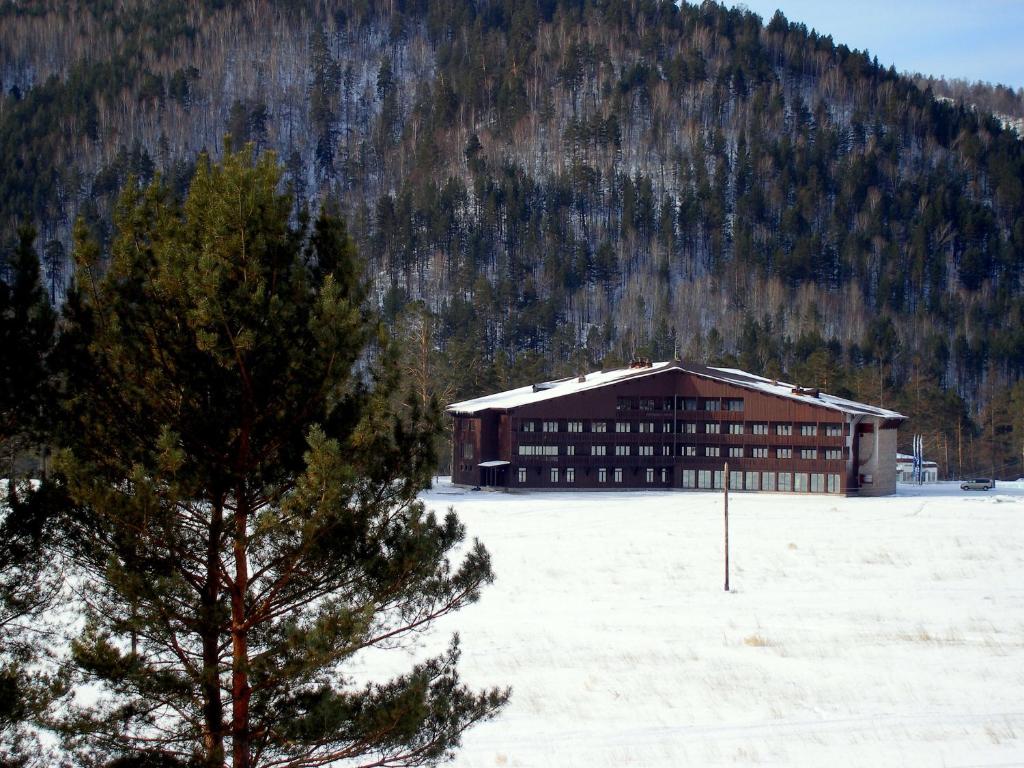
(674, 425)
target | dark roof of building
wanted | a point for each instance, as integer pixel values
(550, 390)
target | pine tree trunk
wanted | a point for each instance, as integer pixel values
(240, 690)
(213, 710)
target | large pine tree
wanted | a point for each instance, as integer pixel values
(246, 489)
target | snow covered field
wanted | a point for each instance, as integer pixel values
(858, 632)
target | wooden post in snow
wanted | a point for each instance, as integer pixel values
(725, 486)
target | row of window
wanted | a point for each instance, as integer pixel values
(735, 451)
(556, 475)
(799, 482)
(684, 427)
(678, 403)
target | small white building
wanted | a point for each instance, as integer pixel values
(905, 469)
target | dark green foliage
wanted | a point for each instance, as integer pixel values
(245, 482)
(247, 124)
(28, 578)
(26, 338)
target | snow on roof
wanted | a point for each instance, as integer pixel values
(550, 390)
(794, 392)
(906, 458)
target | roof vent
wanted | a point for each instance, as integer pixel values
(809, 391)
(543, 386)
(582, 378)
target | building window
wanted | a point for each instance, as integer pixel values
(834, 430)
(664, 475)
(570, 474)
(783, 429)
(736, 451)
(833, 454)
(735, 480)
(759, 452)
(666, 426)
(704, 478)
(538, 450)
(750, 481)
(809, 430)
(712, 428)
(574, 426)
(800, 482)
(521, 472)
(570, 450)
(808, 453)
(833, 484)
(649, 474)
(689, 478)
(688, 427)
(783, 453)
(645, 450)
(785, 481)
(550, 426)
(618, 474)
(688, 403)
(716, 478)
(649, 404)
(599, 450)
(623, 426)
(622, 450)
(626, 403)
(554, 474)
(736, 428)
(467, 450)
(768, 481)
(712, 405)
(646, 426)
(666, 450)
(759, 429)
(526, 426)
(817, 482)
(688, 450)
(602, 475)
(735, 405)
(599, 426)
(712, 450)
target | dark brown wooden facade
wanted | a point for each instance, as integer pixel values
(674, 429)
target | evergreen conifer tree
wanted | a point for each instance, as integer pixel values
(245, 487)
(26, 340)
(28, 581)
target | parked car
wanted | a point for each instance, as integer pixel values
(978, 484)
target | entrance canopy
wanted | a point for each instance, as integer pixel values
(487, 464)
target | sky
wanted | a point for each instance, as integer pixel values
(976, 40)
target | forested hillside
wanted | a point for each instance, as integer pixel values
(544, 186)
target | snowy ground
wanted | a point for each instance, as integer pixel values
(858, 632)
